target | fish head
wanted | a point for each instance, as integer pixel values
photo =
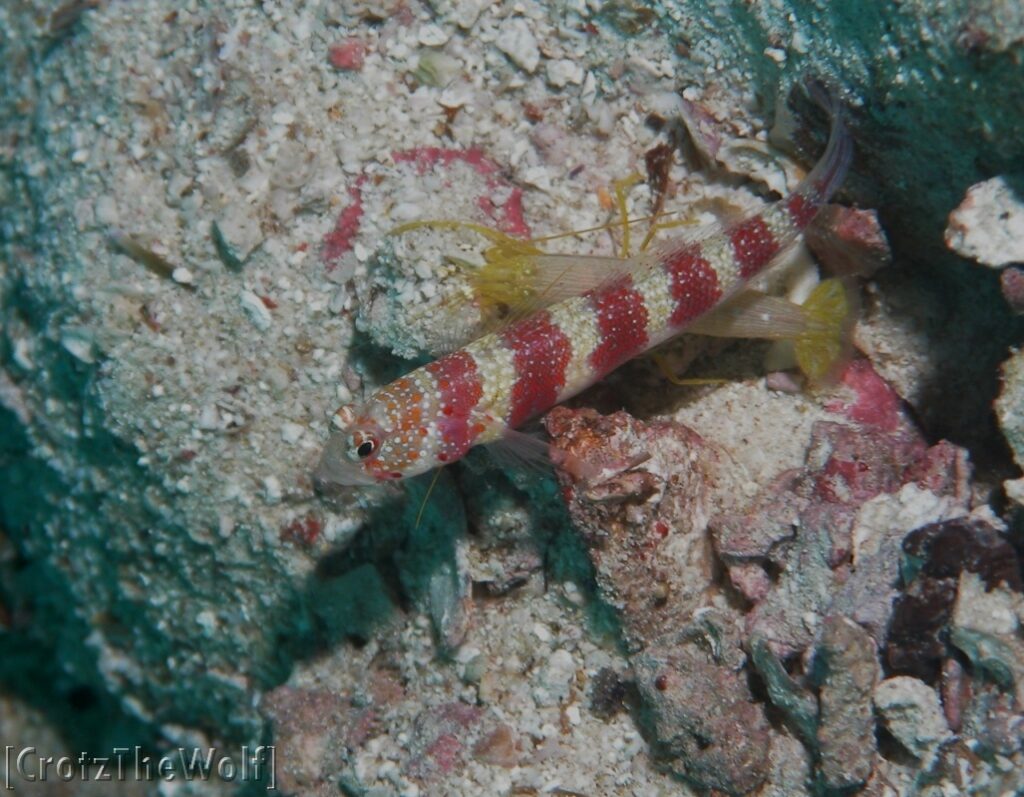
(372, 443)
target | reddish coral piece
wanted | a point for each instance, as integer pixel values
(348, 54)
(303, 531)
(310, 726)
(444, 736)
(498, 748)
(339, 240)
(509, 217)
(875, 403)
(848, 242)
(623, 514)
(862, 464)
(269, 303)
(1011, 280)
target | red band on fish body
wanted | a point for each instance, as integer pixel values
(694, 284)
(541, 353)
(459, 390)
(802, 210)
(622, 322)
(753, 246)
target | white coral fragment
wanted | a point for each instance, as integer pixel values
(517, 41)
(989, 224)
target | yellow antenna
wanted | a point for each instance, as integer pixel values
(430, 489)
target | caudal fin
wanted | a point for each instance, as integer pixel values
(824, 345)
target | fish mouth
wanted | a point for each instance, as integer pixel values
(335, 469)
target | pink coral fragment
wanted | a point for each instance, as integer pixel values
(849, 242)
(507, 215)
(875, 404)
(1011, 280)
(445, 752)
(501, 203)
(348, 54)
(339, 240)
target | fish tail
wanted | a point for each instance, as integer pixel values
(824, 345)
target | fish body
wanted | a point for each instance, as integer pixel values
(475, 395)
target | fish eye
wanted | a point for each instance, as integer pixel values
(366, 448)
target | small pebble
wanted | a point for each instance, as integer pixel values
(517, 41)
(291, 432)
(79, 343)
(783, 382)
(256, 310)
(106, 210)
(432, 36)
(272, 493)
(207, 620)
(209, 418)
(283, 118)
(562, 72)
(552, 681)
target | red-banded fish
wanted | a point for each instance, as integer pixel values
(485, 390)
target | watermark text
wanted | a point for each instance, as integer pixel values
(255, 764)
